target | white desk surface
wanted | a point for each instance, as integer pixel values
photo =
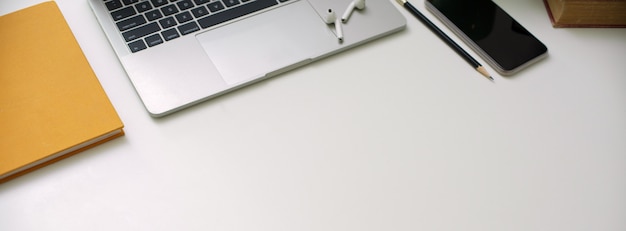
(399, 134)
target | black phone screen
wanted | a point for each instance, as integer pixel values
(501, 37)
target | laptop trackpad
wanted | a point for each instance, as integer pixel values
(268, 42)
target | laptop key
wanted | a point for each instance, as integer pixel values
(184, 17)
(169, 10)
(123, 13)
(236, 12)
(185, 4)
(167, 22)
(188, 28)
(154, 40)
(137, 46)
(199, 12)
(154, 15)
(158, 3)
(131, 23)
(231, 3)
(170, 34)
(128, 2)
(112, 5)
(143, 7)
(141, 31)
(215, 6)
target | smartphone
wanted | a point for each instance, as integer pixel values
(492, 33)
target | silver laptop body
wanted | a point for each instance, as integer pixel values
(184, 63)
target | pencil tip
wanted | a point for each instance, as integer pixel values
(484, 72)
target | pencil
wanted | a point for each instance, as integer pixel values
(407, 5)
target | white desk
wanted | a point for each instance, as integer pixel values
(399, 134)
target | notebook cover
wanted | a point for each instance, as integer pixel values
(51, 103)
(592, 14)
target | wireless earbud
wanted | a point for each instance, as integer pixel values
(355, 4)
(331, 18)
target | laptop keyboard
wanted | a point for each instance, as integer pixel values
(148, 23)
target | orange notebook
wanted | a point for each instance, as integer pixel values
(51, 103)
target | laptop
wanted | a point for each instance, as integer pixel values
(178, 53)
